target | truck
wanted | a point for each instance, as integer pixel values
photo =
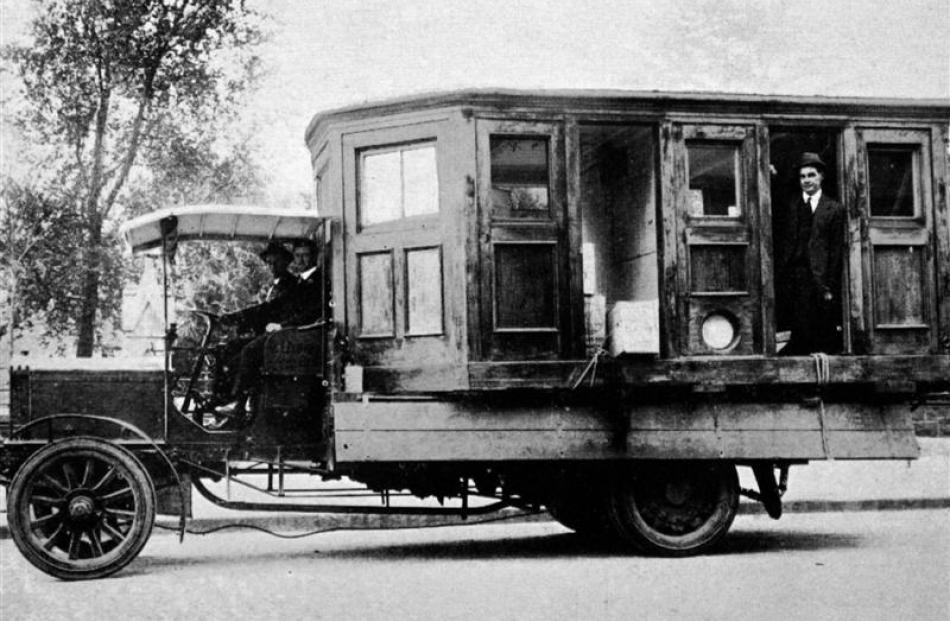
(569, 300)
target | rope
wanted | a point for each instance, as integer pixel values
(590, 368)
(822, 377)
(822, 368)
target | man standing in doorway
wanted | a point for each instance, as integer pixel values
(813, 263)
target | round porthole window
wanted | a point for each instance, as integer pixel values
(719, 331)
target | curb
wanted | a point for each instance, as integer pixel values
(306, 523)
(843, 506)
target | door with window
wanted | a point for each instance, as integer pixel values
(396, 264)
(523, 247)
(895, 202)
(716, 239)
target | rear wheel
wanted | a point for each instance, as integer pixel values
(674, 508)
(81, 508)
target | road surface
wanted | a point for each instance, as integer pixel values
(862, 565)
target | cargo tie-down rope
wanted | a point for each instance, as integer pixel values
(590, 368)
(822, 377)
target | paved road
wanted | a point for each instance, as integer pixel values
(864, 565)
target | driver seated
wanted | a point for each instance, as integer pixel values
(256, 318)
(299, 306)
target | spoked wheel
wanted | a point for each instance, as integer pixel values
(675, 508)
(81, 508)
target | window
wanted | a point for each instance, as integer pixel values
(713, 179)
(519, 174)
(891, 180)
(398, 182)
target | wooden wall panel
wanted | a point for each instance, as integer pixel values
(898, 273)
(424, 291)
(376, 294)
(525, 286)
(718, 268)
(407, 431)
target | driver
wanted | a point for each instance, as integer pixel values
(271, 310)
(300, 305)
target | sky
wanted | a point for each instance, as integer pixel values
(329, 53)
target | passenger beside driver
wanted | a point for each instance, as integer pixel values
(307, 299)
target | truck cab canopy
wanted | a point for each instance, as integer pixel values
(219, 222)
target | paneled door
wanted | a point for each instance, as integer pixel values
(715, 238)
(895, 202)
(523, 247)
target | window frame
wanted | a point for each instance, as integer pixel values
(915, 148)
(738, 178)
(403, 221)
(506, 213)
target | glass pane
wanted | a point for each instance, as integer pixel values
(891, 174)
(519, 173)
(380, 188)
(376, 294)
(421, 181)
(713, 179)
(424, 295)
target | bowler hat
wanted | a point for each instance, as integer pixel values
(276, 249)
(304, 243)
(811, 159)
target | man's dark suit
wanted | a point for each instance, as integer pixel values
(275, 308)
(812, 266)
(301, 306)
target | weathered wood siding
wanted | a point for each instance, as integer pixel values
(471, 431)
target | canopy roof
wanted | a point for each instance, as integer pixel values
(220, 222)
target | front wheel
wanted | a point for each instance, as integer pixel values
(81, 508)
(674, 508)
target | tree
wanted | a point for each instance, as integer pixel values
(106, 81)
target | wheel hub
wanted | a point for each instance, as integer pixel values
(81, 508)
(677, 493)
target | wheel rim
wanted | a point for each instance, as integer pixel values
(81, 511)
(676, 508)
(675, 505)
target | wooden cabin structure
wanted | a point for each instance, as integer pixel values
(616, 251)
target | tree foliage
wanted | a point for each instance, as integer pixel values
(121, 89)
(40, 246)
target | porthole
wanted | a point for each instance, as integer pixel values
(720, 331)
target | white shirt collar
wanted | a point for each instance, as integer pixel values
(814, 202)
(307, 273)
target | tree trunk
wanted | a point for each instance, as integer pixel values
(90, 292)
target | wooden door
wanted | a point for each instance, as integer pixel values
(523, 247)
(897, 267)
(399, 248)
(715, 237)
